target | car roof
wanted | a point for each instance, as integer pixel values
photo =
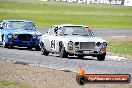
(67, 25)
(15, 20)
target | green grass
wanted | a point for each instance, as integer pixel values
(100, 16)
(9, 84)
(120, 47)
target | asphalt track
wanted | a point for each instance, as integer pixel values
(92, 65)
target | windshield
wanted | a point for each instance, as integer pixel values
(81, 31)
(20, 25)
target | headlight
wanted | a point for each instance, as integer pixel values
(70, 45)
(98, 44)
(104, 44)
(76, 43)
(10, 36)
(34, 36)
(15, 35)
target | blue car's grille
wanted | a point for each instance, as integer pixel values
(24, 37)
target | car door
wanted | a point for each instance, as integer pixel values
(48, 40)
(53, 40)
(54, 43)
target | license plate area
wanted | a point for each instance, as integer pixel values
(24, 42)
(86, 52)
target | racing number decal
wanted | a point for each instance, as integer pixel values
(52, 44)
(0, 37)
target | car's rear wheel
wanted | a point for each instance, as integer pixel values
(43, 50)
(62, 51)
(101, 57)
(37, 48)
(5, 45)
(29, 47)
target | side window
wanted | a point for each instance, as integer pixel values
(51, 31)
(1, 25)
(56, 31)
(60, 32)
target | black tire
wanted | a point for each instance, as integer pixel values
(101, 57)
(11, 47)
(62, 52)
(80, 80)
(5, 45)
(80, 56)
(29, 47)
(43, 50)
(37, 48)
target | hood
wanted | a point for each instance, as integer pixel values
(84, 39)
(22, 31)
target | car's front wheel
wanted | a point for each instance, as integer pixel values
(101, 57)
(37, 48)
(43, 50)
(11, 47)
(62, 51)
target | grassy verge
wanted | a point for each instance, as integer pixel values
(100, 16)
(120, 47)
(9, 84)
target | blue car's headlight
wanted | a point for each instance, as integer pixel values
(34, 36)
(14, 35)
(9, 36)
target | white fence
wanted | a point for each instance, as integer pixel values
(112, 2)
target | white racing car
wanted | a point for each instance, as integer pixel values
(68, 39)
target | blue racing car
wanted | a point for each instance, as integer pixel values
(19, 33)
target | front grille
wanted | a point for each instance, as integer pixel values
(24, 37)
(87, 45)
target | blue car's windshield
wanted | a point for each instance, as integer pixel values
(20, 25)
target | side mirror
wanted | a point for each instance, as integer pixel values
(1, 27)
(47, 33)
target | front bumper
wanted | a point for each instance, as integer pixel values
(87, 48)
(87, 52)
(23, 43)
